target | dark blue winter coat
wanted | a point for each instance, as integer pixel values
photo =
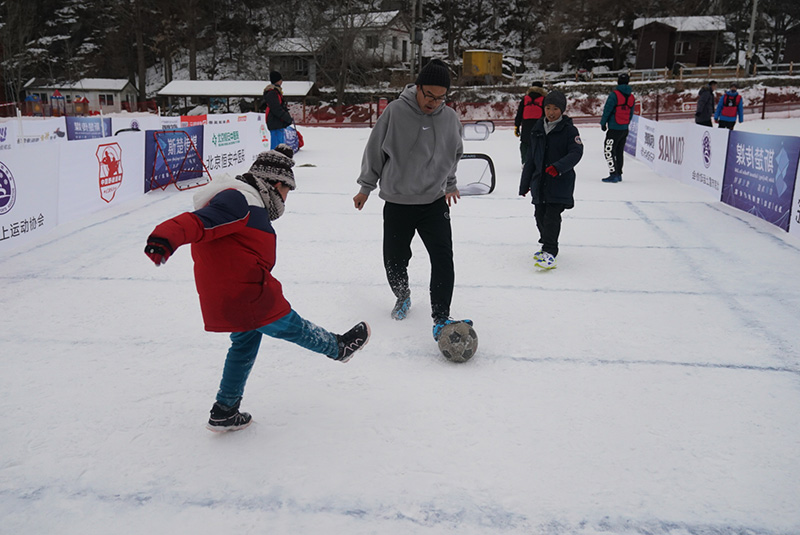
(561, 148)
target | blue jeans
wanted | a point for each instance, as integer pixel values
(276, 137)
(244, 348)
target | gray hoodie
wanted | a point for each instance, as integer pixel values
(412, 154)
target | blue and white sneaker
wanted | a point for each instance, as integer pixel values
(438, 325)
(400, 310)
(547, 261)
(537, 256)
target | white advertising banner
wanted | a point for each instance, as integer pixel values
(704, 158)
(96, 173)
(225, 143)
(794, 222)
(670, 147)
(141, 122)
(646, 141)
(33, 130)
(28, 194)
(258, 135)
(8, 135)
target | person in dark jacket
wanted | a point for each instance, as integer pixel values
(617, 115)
(549, 174)
(233, 248)
(529, 111)
(729, 107)
(276, 111)
(705, 104)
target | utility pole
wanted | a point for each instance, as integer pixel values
(749, 54)
(413, 37)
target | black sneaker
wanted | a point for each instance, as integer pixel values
(224, 418)
(352, 341)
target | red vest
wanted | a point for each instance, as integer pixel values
(730, 105)
(624, 108)
(532, 107)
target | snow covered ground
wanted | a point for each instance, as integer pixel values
(649, 385)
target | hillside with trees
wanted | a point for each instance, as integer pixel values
(148, 41)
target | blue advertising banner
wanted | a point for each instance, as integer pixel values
(88, 127)
(176, 155)
(759, 175)
(633, 131)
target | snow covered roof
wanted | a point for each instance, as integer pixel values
(86, 84)
(686, 24)
(375, 19)
(230, 88)
(296, 45)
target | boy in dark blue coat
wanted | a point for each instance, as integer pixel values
(549, 174)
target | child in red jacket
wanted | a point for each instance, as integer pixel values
(233, 247)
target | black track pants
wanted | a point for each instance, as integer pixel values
(614, 150)
(548, 221)
(432, 222)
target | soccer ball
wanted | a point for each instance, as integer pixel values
(458, 341)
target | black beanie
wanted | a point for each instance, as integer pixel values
(623, 79)
(434, 73)
(556, 98)
(275, 77)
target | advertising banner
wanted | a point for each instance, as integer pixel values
(88, 127)
(225, 143)
(794, 224)
(34, 131)
(193, 120)
(258, 136)
(704, 158)
(646, 140)
(630, 141)
(177, 151)
(760, 172)
(95, 173)
(670, 146)
(135, 122)
(8, 135)
(28, 195)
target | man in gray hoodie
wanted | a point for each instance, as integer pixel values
(413, 152)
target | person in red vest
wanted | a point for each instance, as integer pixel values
(729, 106)
(529, 111)
(617, 115)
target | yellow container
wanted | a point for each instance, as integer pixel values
(479, 63)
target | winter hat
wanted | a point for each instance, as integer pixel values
(537, 84)
(557, 99)
(434, 73)
(275, 77)
(270, 168)
(623, 79)
(275, 166)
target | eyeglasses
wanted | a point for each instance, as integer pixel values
(432, 97)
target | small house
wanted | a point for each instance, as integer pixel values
(107, 95)
(666, 41)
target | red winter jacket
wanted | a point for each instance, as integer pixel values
(233, 247)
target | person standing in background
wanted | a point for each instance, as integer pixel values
(617, 115)
(729, 107)
(276, 112)
(705, 104)
(529, 111)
